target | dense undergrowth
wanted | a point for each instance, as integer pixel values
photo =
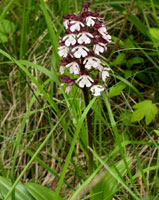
(43, 131)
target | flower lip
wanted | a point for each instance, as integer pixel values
(96, 90)
(90, 20)
(84, 37)
(63, 51)
(62, 69)
(66, 23)
(80, 51)
(99, 48)
(84, 80)
(105, 73)
(74, 67)
(69, 40)
(94, 62)
(76, 25)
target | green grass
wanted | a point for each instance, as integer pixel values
(43, 131)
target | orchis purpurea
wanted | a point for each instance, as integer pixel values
(85, 40)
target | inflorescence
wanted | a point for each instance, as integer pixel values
(86, 38)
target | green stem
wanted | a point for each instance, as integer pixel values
(90, 138)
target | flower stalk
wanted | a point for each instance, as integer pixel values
(89, 126)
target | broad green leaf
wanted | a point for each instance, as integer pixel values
(144, 109)
(40, 192)
(105, 189)
(120, 59)
(116, 89)
(21, 192)
(129, 43)
(7, 26)
(128, 73)
(154, 34)
(3, 38)
(135, 60)
(114, 38)
(157, 132)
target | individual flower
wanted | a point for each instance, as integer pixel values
(69, 40)
(90, 20)
(76, 26)
(96, 90)
(80, 51)
(63, 51)
(99, 48)
(105, 73)
(66, 23)
(74, 68)
(102, 30)
(84, 80)
(107, 37)
(62, 69)
(94, 62)
(84, 37)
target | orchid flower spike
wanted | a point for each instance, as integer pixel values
(85, 40)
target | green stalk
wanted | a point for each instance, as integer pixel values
(90, 138)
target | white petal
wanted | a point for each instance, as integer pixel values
(93, 62)
(84, 80)
(84, 37)
(84, 53)
(107, 37)
(65, 23)
(63, 51)
(105, 74)
(96, 90)
(99, 48)
(74, 68)
(90, 21)
(76, 26)
(62, 69)
(69, 39)
(80, 51)
(102, 30)
(77, 54)
(68, 89)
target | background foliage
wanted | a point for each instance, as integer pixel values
(43, 134)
